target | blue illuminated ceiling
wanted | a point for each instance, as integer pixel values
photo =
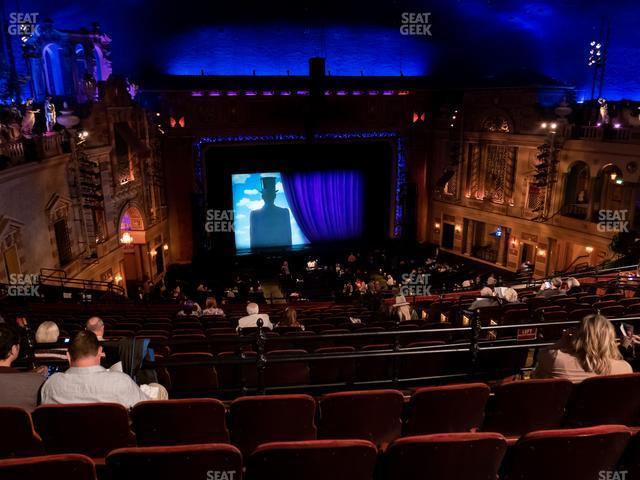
(471, 38)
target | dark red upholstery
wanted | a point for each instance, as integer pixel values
(185, 462)
(630, 461)
(286, 373)
(49, 467)
(271, 418)
(605, 400)
(468, 456)
(580, 453)
(446, 409)
(92, 429)
(333, 371)
(20, 439)
(373, 415)
(376, 368)
(180, 422)
(313, 460)
(522, 407)
(193, 377)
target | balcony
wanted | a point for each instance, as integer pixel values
(578, 211)
(27, 150)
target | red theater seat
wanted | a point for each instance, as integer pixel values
(22, 441)
(313, 460)
(187, 462)
(180, 422)
(446, 409)
(333, 371)
(370, 415)
(193, 377)
(286, 373)
(468, 456)
(581, 453)
(271, 418)
(613, 399)
(522, 407)
(92, 429)
(49, 467)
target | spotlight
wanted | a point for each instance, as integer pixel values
(589, 249)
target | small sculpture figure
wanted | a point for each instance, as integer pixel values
(29, 119)
(604, 111)
(50, 114)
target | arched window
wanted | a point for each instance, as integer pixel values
(54, 69)
(576, 191)
(609, 192)
(81, 62)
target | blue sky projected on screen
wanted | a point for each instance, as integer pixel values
(247, 197)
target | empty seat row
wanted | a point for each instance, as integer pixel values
(554, 455)
(379, 416)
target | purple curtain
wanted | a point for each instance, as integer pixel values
(327, 205)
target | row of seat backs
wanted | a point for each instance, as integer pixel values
(377, 416)
(555, 455)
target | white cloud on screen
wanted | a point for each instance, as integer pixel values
(240, 178)
(243, 201)
(255, 204)
(252, 191)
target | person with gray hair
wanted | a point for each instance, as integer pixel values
(48, 332)
(96, 325)
(487, 299)
(251, 320)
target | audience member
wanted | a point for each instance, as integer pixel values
(250, 321)
(211, 308)
(16, 387)
(86, 381)
(290, 319)
(48, 332)
(573, 286)
(487, 299)
(591, 351)
(190, 309)
(402, 309)
(110, 350)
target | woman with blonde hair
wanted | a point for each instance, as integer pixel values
(592, 350)
(48, 332)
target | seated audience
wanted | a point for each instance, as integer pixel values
(48, 332)
(487, 299)
(290, 319)
(86, 381)
(111, 354)
(190, 309)
(403, 310)
(551, 288)
(16, 387)
(211, 308)
(591, 351)
(250, 321)
(573, 286)
(507, 295)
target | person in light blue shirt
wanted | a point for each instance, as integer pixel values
(86, 381)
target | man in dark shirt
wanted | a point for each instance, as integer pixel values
(16, 387)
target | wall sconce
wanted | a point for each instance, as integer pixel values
(165, 247)
(436, 225)
(613, 176)
(514, 242)
(458, 228)
(589, 249)
(542, 253)
(153, 253)
(118, 278)
(126, 238)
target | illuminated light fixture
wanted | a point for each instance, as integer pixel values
(157, 114)
(250, 93)
(267, 93)
(543, 125)
(437, 225)
(302, 92)
(372, 92)
(356, 92)
(553, 126)
(285, 93)
(126, 238)
(403, 92)
(514, 242)
(165, 247)
(196, 93)
(214, 93)
(589, 249)
(232, 93)
(118, 278)
(341, 93)
(153, 253)
(619, 181)
(458, 228)
(598, 124)
(617, 125)
(327, 92)
(542, 253)
(613, 176)
(388, 92)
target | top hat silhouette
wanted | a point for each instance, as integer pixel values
(269, 184)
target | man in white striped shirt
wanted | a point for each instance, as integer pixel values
(86, 381)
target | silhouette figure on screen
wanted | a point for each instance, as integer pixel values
(270, 225)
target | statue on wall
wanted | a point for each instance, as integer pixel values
(29, 118)
(49, 114)
(604, 111)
